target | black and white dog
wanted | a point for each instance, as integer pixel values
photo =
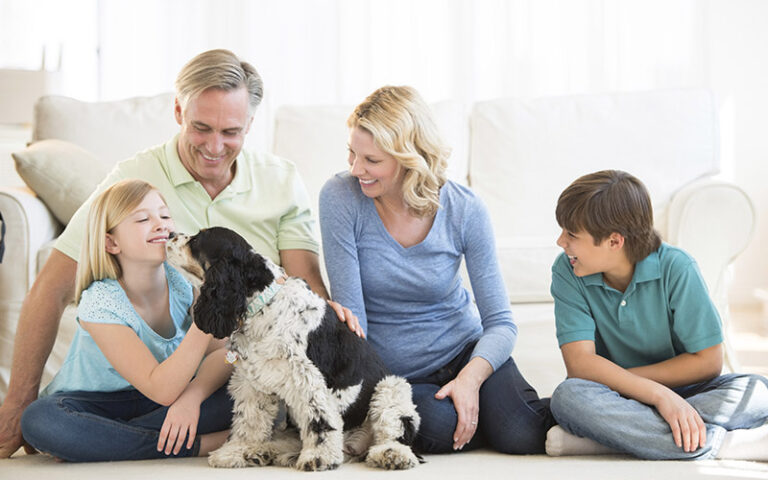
(287, 344)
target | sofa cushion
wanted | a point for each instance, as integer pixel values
(61, 173)
(113, 130)
(524, 153)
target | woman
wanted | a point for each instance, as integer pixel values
(394, 233)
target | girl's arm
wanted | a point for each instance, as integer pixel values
(182, 417)
(160, 382)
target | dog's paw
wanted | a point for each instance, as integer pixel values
(391, 456)
(315, 461)
(229, 457)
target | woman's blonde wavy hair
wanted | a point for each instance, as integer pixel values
(401, 124)
(108, 209)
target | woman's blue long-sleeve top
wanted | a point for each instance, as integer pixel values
(410, 301)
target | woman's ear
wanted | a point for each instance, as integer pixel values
(111, 245)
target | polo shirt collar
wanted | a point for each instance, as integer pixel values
(646, 269)
(179, 174)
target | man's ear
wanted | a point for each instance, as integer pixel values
(110, 245)
(177, 110)
(616, 240)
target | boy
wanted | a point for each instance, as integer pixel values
(641, 339)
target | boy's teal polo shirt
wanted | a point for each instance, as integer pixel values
(664, 312)
(266, 202)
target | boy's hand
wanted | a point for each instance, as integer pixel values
(180, 424)
(688, 428)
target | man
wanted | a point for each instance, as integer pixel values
(207, 180)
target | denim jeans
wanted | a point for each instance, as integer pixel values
(512, 417)
(592, 410)
(105, 426)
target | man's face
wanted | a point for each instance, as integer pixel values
(213, 128)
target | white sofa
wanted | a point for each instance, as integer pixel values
(518, 155)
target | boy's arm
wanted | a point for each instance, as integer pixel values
(688, 428)
(686, 368)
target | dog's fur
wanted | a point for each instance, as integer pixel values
(337, 390)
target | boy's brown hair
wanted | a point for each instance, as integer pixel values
(610, 201)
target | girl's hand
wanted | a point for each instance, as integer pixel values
(180, 424)
(688, 429)
(346, 315)
(465, 394)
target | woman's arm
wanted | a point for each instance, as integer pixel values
(337, 215)
(160, 382)
(499, 331)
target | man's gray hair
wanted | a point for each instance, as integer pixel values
(218, 69)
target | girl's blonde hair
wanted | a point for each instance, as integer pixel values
(402, 125)
(108, 209)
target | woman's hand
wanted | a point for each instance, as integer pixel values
(688, 429)
(180, 424)
(464, 390)
(346, 315)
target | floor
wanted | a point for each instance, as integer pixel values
(750, 339)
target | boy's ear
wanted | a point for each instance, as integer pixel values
(616, 240)
(110, 245)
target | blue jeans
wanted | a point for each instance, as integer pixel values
(105, 426)
(512, 417)
(592, 410)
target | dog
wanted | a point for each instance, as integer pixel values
(288, 345)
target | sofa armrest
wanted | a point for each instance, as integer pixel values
(28, 224)
(713, 220)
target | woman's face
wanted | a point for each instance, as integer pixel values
(378, 172)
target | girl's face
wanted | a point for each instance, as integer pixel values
(142, 235)
(377, 172)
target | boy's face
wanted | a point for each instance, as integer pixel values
(587, 258)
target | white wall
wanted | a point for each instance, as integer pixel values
(739, 77)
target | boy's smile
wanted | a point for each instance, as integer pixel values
(607, 257)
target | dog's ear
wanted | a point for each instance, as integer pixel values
(257, 275)
(223, 300)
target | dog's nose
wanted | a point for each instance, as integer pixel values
(171, 235)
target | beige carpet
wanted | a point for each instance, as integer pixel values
(481, 465)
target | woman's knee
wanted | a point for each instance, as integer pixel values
(438, 420)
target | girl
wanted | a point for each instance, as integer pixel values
(124, 391)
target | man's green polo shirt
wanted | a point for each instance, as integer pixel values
(266, 202)
(665, 310)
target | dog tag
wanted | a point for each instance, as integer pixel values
(231, 357)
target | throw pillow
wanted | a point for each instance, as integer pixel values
(62, 174)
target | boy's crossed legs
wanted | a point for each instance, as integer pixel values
(734, 408)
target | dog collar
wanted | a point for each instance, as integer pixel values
(261, 300)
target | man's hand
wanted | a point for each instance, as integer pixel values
(688, 429)
(346, 315)
(10, 430)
